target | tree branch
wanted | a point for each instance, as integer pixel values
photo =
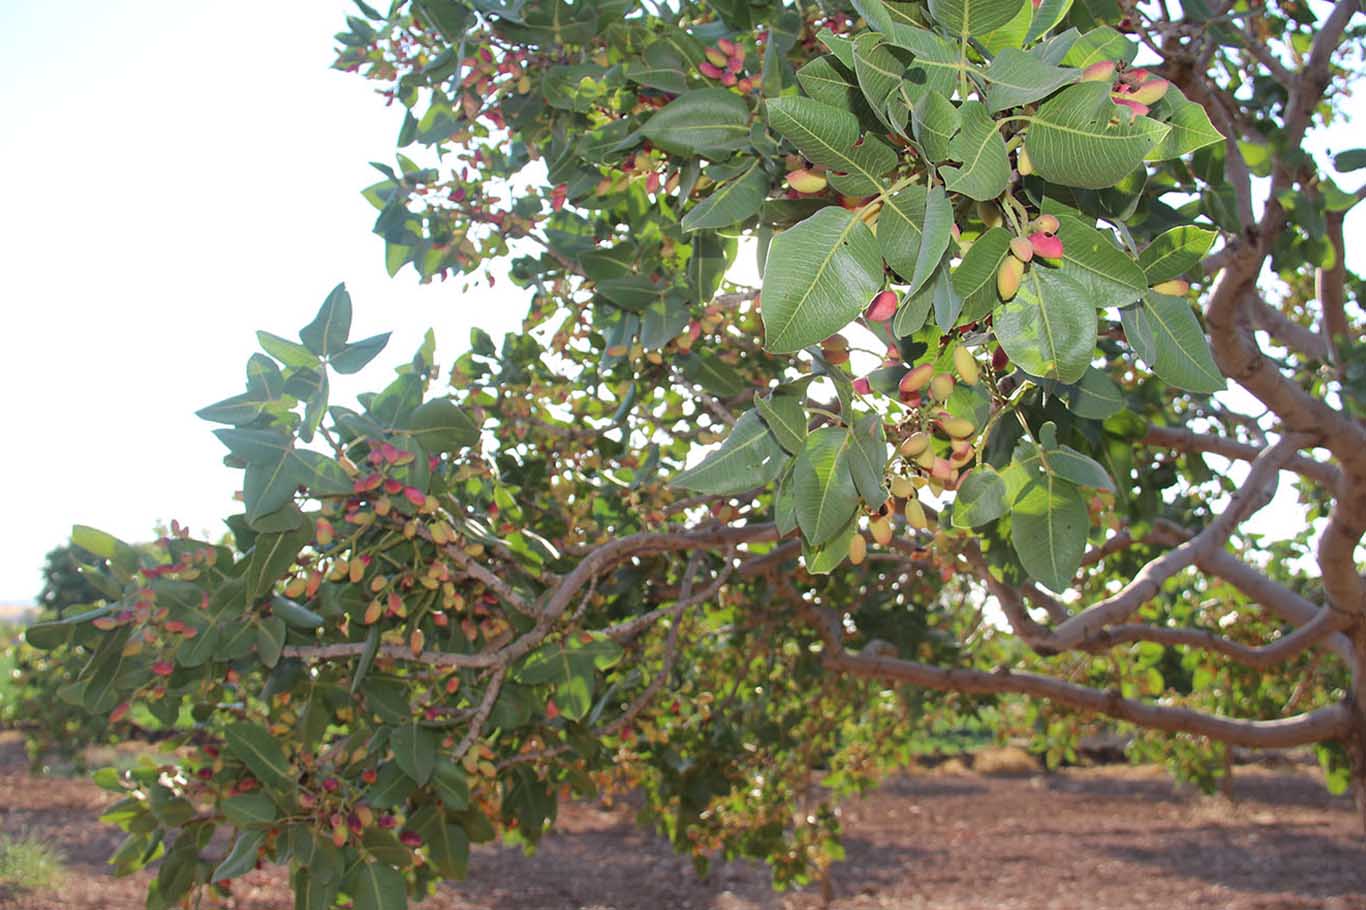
(1325, 723)
(1189, 441)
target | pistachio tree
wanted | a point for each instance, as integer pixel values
(1053, 302)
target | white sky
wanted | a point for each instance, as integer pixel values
(178, 176)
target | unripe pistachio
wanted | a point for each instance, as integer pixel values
(881, 529)
(902, 487)
(716, 57)
(1022, 162)
(1150, 92)
(726, 46)
(943, 471)
(1021, 249)
(862, 386)
(708, 70)
(966, 365)
(1176, 287)
(858, 549)
(957, 427)
(728, 79)
(1008, 277)
(835, 342)
(962, 453)
(1046, 245)
(914, 444)
(916, 379)
(915, 515)
(1137, 107)
(1104, 71)
(835, 358)
(990, 214)
(882, 308)
(1049, 224)
(941, 386)
(926, 459)
(999, 360)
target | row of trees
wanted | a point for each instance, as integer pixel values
(718, 543)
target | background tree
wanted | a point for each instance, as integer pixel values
(983, 231)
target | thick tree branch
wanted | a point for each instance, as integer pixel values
(1189, 441)
(1325, 723)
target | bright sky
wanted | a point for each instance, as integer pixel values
(179, 175)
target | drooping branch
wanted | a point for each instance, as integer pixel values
(1149, 580)
(1325, 723)
(1189, 441)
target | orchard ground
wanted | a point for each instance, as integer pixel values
(1105, 838)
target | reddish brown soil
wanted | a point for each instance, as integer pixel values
(1095, 839)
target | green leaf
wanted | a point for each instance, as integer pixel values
(830, 136)
(238, 410)
(934, 121)
(1048, 15)
(1168, 337)
(354, 357)
(1105, 274)
(290, 353)
(973, 17)
(1189, 127)
(441, 426)
(708, 122)
(367, 658)
(937, 64)
(271, 558)
(447, 846)
(450, 785)
(879, 69)
(1049, 328)
(375, 886)
(733, 201)
(1175, 252)
(975, 277)
(1095, 396)
(391, 788)
(1103, 43)
(414, 751)
(825, 558)
(828, 81)
(270, 640)
(824, 488)
(718, 377)
(261, 447)
(786, 419)
(750, 457)
(243, 857)
(296, 615)
(979, 146)
(1350, 160)
(662, 67)
(249, 809)
(1018, 78)
(981, 498)
(1082, 470)
(948, 304)
(1048, 528)
(828, 269)
(913, 233)
(253, 745)
(868, 458)
(912, 313)
(326, 334)
(1071, 142)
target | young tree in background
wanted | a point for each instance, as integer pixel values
(1011, 254)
